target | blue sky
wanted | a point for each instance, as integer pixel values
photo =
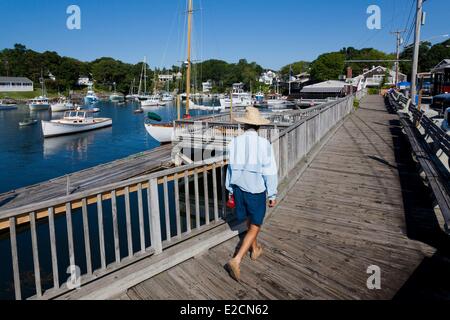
(272, 33)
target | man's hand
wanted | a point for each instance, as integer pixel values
(272, 203)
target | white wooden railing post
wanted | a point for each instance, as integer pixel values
(155, 217)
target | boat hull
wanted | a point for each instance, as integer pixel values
(55, 128)
(39, 107)
(7, 107)
(161, 133)
(60, 107)
(226, 103)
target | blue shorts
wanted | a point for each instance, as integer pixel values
(250, 206)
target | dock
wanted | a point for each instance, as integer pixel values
(352, 199)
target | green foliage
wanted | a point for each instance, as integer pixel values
(223, 74)
(429, 56)
(297, 68)
(356, 104)
(373, 91)
(328, 66)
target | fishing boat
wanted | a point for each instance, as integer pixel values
(275, 100)
(116, 97)
(167, 97)
(41, 102)
(62, 105)
(7, 106)
(152, 101)
(27, 122)
(164, 132)
(90, 97)
(194, 106)
(74, 122)
(238, 97)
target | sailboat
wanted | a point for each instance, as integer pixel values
(41, 102)
(164, 132)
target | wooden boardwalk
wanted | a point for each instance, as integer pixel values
(350, 210)
(116, 171)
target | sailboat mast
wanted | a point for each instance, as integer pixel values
(188, 76)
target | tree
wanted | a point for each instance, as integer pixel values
(297, 68)
(328, 66)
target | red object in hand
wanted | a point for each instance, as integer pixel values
(231, 203)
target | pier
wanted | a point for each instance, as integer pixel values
(351, 197)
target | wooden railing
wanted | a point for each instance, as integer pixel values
(93, 233)
(431, 147)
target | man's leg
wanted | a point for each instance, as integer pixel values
(249, 241)
(255, 243)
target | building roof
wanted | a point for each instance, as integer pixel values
(442, 65)
(15, 79)
(383, 68)
(325, 87)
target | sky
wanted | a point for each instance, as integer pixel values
(272, 33)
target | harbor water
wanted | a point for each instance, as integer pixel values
(27, 158)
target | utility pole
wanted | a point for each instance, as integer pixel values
(399, 42)
(415, 66)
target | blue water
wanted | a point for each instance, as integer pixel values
(27, 158)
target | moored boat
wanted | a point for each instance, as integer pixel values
(27, 122)
(62, 105)
(7, 106)
(74, 122)
(163, 132)
(39, 104)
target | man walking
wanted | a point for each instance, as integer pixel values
(251, 179)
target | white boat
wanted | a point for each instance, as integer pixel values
(39, 103)
(152, 101)
(162, 132)
(62, 105)
(90, 97)
(194, 106)
(74, 122)
(239, 98)
(276, 100)
(167, 97)
(116, 97)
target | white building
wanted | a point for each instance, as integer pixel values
(268, 77)
(165, 77)
(16, 84)
(84, 81)
(207, 86)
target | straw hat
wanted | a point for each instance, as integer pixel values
(254, 117)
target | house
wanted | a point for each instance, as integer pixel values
(16, 84)
(326, 89)
(84, 81)
(374, 77)
(207, 86)
(440, 76)
(268, 77)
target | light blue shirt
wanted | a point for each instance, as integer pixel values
(252, 166)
